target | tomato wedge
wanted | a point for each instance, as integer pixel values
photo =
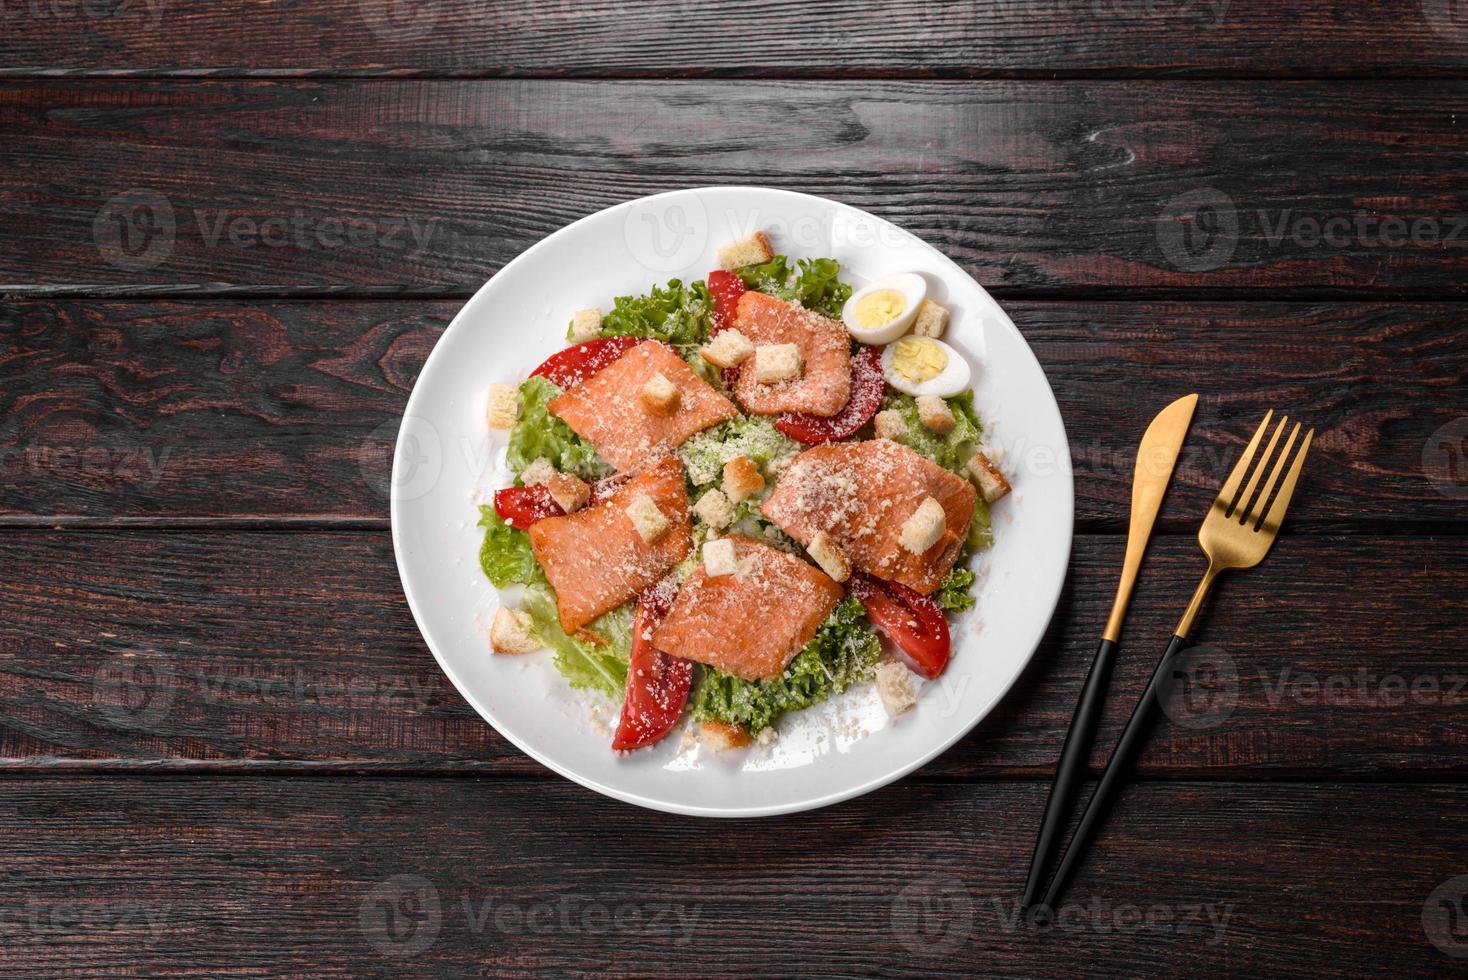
(657, 684)
(909, 619)
(523, 506)
(867, 386)
(570, 367)
(726, 288)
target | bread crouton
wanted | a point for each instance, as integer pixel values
(714, 509)
(890, 425)
(660, 395)
(512, 632)
(925, 527)
(935, 414)
(722, 735)
(896, 687)
(585, 325)
(992, 484)
(537, 472)
(647, 519)
(504, 406)
(569, 492)
(749, 250)
(729, 348)
(774, 363)
(931, 320)
(832, 559)
(719, 557)
(742, 479)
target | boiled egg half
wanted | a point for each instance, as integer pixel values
(881, 312)
(924, 366)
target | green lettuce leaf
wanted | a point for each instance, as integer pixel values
(505, 553)
(539, 433)
(950, 451)
(844, 651)
(755, 436)
(815, 283)
(585, 665)
(674, 313)
(956, 593)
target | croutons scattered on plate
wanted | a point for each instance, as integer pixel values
(585, 325)
(742, 479)
(890, 425)
(714, 509)
(931, 320)
(991, 482)
(719, 557)
(512, 632)
(504, 406)
(774, 363)
(569, 492)
(925, 527)
(537, 472)
(729, 348)
(722, 735)
(832, 559)
(935, 414)
(660, 395)
(749, 250)
(896, 687)
(647, 519)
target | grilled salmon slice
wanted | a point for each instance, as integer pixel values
(595, 559)
(607, 409)
(752, 623)
(825, 352)
(861, 493)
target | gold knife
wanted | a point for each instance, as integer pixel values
(1156, 458)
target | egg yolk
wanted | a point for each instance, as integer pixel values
(918, 360)
(878, 307)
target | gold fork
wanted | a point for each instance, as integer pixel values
(1236, 534)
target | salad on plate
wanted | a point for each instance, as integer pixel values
(728, 491)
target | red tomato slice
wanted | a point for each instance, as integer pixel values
(867, 386)
(523, 506)
(657, 684)
(568, 368)
(909, 619)
(726, 288)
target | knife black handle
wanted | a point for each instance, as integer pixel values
(1117, 769)
(1074, 754)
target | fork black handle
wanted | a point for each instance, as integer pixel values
(1117, 769)
(1072, 766)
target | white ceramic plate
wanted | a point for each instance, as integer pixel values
(447, 461)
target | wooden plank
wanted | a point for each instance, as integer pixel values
(661, 38)
(432, 185)
(338, 877)
(295, 651)
(236, 409)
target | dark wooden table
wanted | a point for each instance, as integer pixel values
(231, 234)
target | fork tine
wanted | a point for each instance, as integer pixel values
(1255, 516)
(1242, 506)
(1287, 490)
(1231, 486)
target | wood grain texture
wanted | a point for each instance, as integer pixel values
(233, 650)
(668, 37)
(517, 878)
(432, 185)
(258, 409)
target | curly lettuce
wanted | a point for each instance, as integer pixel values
(951, 450)
(674, 313)
(539, 433)
(814, 283)
(844, 651)
(956, 592)
(595, 659)
(755, 436)
(505, 553)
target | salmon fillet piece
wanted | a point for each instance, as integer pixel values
(607, 409)
(825, 350)
(595, 559)
(861, 493)
(753, 623)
